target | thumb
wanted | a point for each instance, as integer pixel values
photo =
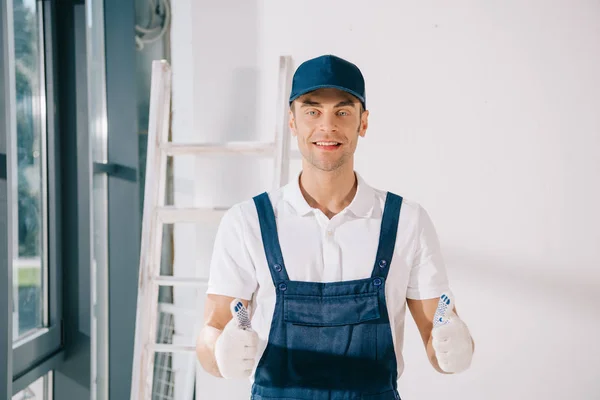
(240, 314)
(444, 312)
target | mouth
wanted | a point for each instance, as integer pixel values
(327, 145)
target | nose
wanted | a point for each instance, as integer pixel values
(328, 122)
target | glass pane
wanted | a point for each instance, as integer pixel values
(38, 390)
(29, 305)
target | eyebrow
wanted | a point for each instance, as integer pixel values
(346, 102)
(307, 103)
(311, 103)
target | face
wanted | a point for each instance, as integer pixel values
(327, 124)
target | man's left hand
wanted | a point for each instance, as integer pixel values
(451, 339)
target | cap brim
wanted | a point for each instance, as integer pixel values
(313, 88)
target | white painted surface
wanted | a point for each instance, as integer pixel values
(485, 112)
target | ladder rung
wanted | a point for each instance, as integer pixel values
(171, 214)
(172, 348)
(175, 149)
(180, 281)
(170, 308)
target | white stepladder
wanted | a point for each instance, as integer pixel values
(156, 214)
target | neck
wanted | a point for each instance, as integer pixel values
(329, 191)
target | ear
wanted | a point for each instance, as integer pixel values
(292, 122)
(364, 123)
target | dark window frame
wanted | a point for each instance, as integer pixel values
(34, 356)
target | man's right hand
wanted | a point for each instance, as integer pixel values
(235, 349)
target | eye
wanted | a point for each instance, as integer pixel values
(343, 113)
(312, 113)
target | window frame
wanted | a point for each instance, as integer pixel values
(6, 109)
(33, 356)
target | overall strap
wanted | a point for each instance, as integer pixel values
(387, 235)
(268, 231)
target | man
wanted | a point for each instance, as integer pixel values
(326, 265)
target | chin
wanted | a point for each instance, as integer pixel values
(328, 166)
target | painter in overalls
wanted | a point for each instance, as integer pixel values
(309, 284)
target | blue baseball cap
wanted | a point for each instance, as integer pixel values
(328, 71)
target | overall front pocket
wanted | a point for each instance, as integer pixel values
(331, 310)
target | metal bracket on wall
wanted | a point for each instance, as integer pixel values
(3, 167)
(117, 171)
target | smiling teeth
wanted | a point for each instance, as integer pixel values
(327, 143)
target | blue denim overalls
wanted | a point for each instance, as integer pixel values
(328, 341)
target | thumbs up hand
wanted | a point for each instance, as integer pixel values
(235, 349)
(451, 339)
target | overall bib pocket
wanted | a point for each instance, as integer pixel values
(331, 310)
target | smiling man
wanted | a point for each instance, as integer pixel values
(327, 266)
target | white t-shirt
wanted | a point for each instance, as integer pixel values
(318, 249)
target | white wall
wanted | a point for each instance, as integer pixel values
(488, 113)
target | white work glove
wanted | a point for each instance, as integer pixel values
(451, 339)
(235, 349)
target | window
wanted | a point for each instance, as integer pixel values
(41, 389)
(27, 140)
(30, 264)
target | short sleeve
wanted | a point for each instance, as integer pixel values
(428, 276)
(232, 271)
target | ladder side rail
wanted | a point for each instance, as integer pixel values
(282, 131)
(155, 250)
(159, 95)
